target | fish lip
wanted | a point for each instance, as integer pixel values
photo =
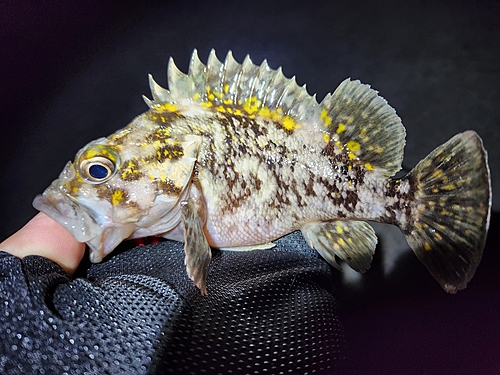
(65, 210)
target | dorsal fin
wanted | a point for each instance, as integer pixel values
(356, 115)
(218, 82)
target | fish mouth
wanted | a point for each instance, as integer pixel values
(101, 238)
(60, 207)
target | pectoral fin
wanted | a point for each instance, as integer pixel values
(198, 253)
(352, 241)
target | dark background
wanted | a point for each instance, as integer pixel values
(74, 71)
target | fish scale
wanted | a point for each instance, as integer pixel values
(234, 156)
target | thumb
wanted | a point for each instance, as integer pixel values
(45, 237)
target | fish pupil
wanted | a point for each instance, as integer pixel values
(98, 171)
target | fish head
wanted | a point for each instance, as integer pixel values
(118, 190)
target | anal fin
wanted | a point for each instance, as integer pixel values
(352, 241)
(196, 247)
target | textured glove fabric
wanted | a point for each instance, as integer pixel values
(268, 311)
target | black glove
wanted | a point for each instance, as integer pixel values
(137, 312)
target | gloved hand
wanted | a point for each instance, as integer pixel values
(137, 311)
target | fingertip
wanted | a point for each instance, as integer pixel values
(45, 237)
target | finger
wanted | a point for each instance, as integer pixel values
(43, 236)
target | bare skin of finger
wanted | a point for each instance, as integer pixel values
(45, 237)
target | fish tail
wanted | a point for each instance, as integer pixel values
(450, 211)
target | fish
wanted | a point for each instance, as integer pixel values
(236, 155)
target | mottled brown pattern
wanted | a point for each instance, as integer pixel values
(163, 117)
(403, 200)
(167, 151)
(131, 170)
(166, 187)
(335, 195)
(309, 187)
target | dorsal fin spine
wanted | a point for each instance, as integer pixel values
(233, 69)
(148, 102)
(177, 80)
(195, 70)
(214, 72)
(265, 73)
(159, 93)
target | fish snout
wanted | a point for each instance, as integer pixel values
(59, 206)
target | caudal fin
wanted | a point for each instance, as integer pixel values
(451, 211)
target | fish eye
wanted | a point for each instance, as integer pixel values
(97, 169)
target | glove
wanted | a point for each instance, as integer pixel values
(137, 312)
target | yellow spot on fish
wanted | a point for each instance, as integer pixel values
(369, 166)
(206, 104)
(449, 187)
(220, 109)
(276, 116)
(437, 173)
(162, 133)
(327, 120)
(167, 107)
(117, 197)
(354, 146)
(288, 123)
(265, 112)
(196, 96)
(91, 153)
(350, 120)
(351, 156)
(226, 88)
(211, 97)
(339, 229)
(427, 246)
(99, 150)
(326, 137)
(341, 128)
(227, 101)
(252, 105)
(342, 242)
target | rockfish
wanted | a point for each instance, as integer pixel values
(234, 156)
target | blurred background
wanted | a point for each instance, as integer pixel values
(71, 72)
